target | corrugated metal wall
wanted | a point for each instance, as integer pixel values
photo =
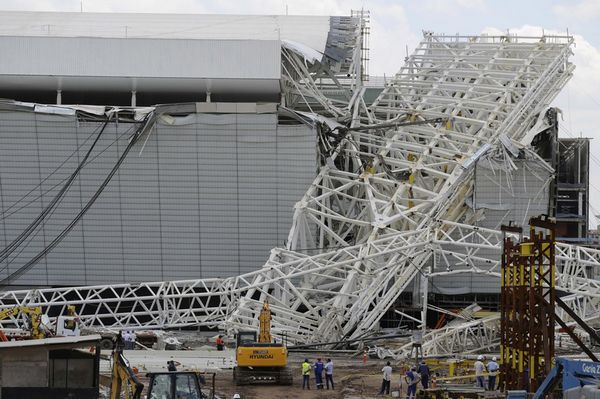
(207, 198)
(515, 195)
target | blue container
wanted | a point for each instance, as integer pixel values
(516, 394)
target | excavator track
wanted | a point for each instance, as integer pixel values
(247, 376)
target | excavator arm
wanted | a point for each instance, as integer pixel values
(264, 335)
(123, 378)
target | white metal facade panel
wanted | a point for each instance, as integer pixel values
(208, 198)
(143, 58)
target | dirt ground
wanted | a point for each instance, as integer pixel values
(352, 379)
(350, 382)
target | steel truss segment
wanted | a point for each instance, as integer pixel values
(370, 222)
(475, 336)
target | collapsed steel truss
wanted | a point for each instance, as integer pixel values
(386, 202)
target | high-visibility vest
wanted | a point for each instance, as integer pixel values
(305, 368)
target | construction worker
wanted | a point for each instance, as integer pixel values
(319, 367)
(329, 373)
(479, 370)
(132, 338)
(220, 343)
(118, 341)
(71, 324)
(423, 371)
(387, 378)
(412, 379)
(306, 374)
(492, 368)
(126, 340)
(171, 365)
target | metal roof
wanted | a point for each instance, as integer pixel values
(233, 57)
(68, 341)
(311, 31)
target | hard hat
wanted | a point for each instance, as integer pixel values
(237, 396)
(494, 358)
(480, 357)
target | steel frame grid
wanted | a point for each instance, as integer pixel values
(373, 229)
(511, 341)
(542, 297)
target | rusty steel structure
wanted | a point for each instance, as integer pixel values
(527, 319)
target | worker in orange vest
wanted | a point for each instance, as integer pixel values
(220, 343)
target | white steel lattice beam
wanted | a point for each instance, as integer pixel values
(389, 197)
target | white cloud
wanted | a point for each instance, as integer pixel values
(584, 10)
(471, 3)
(452, 7)
(390, 36)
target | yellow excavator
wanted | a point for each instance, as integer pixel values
(260, 360)
(35, 328)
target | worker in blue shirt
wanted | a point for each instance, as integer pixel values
(412, 379)
(319, 367)
(492, 368)
(423, 370)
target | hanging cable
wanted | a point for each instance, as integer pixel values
(4, 214)
(55, 201)
(147, 123)
(14, 210)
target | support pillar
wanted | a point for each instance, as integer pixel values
(424, 292)
(58, 97)
(133, 98)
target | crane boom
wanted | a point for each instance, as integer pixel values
(35, 318)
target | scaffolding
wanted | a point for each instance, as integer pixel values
(527, 306)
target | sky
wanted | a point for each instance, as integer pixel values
(398, 24)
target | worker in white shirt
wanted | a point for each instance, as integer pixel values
(479, 370)
(387, 378)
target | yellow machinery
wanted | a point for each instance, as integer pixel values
(123, 378)
(261, 360)
(35, 319)
(171, 384)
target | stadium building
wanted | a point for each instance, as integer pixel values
(209, 190)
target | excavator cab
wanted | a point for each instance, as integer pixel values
(245, 338)
(178, 385)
